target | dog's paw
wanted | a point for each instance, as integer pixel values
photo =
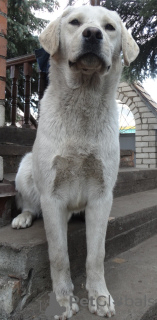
(71, 307)
(101, 304)
(23, 220)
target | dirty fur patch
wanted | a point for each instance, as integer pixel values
(81, 168)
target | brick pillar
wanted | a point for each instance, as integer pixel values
(3, 53)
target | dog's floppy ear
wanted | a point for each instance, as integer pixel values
(49, 38)
(129, 47)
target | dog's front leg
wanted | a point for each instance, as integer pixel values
(97, 213)
(55, 220)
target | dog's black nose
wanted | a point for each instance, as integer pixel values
(92, 33)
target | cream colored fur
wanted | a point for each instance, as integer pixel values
(75, 158)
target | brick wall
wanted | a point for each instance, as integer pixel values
(3, 53)
(144, 110)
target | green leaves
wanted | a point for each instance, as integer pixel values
(140, 17)
(22, 24)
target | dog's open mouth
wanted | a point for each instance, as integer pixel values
(88, 62)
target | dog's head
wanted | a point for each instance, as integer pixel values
(88, 39)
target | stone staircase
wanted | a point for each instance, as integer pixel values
(24, 263)
(14, 144)
(131, 279)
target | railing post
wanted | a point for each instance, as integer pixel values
(27, 68)
(14, 73)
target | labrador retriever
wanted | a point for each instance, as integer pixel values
(75, 158)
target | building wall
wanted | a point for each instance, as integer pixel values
(146, 126)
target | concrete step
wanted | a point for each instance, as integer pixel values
(129, 180)
(12, 154)
(24, 263)
(14, 144)
(7, 200)
(134, 180)
(131, 279)
(20, 136)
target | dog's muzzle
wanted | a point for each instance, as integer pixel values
(90, 57)
(92, 35)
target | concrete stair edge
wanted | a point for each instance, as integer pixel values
(128, 181)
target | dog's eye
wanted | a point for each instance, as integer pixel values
(109, 27)
(75, 22)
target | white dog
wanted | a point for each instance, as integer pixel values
(75, 157)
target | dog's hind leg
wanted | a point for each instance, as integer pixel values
(27, 195)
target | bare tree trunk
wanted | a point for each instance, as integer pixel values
(95, 2)
(92, 2)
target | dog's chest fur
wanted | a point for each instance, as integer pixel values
(82, 139)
